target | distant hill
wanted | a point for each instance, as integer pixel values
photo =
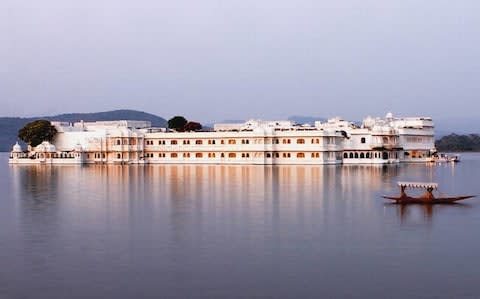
(458, 143)
(9, 126)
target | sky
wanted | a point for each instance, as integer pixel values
(236, 59)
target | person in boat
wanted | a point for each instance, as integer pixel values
(429, 194)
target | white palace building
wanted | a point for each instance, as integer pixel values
(337, 141)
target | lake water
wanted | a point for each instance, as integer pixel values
(167, 231)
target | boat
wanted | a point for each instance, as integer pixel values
(427, 198)
(444, 158)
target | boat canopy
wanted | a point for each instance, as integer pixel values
(418, 185)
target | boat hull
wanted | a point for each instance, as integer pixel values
(426, 200)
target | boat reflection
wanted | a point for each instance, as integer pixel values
(421, 213)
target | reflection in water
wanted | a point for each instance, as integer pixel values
(227, 231)
(423, 213)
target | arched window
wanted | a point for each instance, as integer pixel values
(118, 142)
(269, 155)
(288, 155)
(277, 155)
(198, 142)
(222, 155)
(232, 155)
(351, 155)
(198, 155)
(300, 141)
(173, 155)
(300, 155)
(367, 155)
(345, 155)
(173, 142)
(363, 140)
(362, 155)
(356, 155)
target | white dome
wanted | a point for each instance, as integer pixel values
(50, 147)
(17, 148)
(40, 148)
(78, 148)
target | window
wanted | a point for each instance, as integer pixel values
(222, 142)
(317, 155)
(119, 156)
(356, 155)
(351, 156)
(222, 155)
(367, 155)
(118, 142)
(277, 141)
(288, 155)
(362, 155)
(300, 141)
(269, 155)
(232, 155)
(173, 155)
(198, 155)
(232, 141)
(363, 140)
(173, 142)
(300, 155)
(345, 155)
(198, 142)
(243, 155)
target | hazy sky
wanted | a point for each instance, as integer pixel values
(229, 59)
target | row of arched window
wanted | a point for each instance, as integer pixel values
(230, 141)
(234, 155)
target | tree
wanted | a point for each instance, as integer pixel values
(192, 126)
(37, 131)
(177, 123)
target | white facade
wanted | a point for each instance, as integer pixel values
(389, 140)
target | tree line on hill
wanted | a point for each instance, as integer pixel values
(458, 143)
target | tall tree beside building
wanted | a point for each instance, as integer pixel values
(192, 126)
(177, 123)
(36, 132)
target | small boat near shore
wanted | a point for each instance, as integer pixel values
(444, 158)
(427, 198)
